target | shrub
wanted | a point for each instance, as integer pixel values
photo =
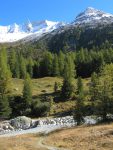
(40, 108)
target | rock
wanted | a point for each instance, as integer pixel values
(21, 122)
(1, 130)
(35, 123)
(11, 128)
(5, 127)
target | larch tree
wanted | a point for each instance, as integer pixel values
(27, 95)
(69, 74)
(5, 80)
(79, 110)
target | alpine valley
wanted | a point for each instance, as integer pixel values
(91, 28)
(56, 83)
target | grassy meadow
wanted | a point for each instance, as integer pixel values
(45, 87)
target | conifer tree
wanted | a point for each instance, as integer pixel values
(17, 68)
(61, 61)
(36, 69)
(30, 67)
(5, 77)
(101, 62)
(27, 94)
(94, 91)
(12, 62)
(5, 109)
(23, 70)
(69, 74)
(46, 64)
(79, 111)
(104, 103)
(55, 66)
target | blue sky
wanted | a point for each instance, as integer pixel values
(20, 11)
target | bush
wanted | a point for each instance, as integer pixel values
(40, 108)
(16, 105)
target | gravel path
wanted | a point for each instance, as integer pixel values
(45, 129)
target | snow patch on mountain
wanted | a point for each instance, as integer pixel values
(35, 30)
(93, 16)
(17, 32)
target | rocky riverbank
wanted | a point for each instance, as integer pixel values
(22, 125)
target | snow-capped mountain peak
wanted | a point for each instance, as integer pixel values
(15, 28)
(16, 32)
(29, 31)
(91, 10)
(93, 16)
(50, 23)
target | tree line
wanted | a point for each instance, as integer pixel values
(98, 100)
(75, 65)
(52, 64)
(10, 105)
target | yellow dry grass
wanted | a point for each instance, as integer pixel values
(99, 137)
(22, 142)
(45, 85)
(39, 86)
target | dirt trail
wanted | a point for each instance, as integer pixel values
(42, 145)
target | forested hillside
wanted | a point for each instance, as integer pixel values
(74, 38)
(80, 61)
(93, 98)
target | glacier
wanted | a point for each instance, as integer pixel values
(15, 32)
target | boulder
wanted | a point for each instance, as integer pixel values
(35, 123)
(21, 122)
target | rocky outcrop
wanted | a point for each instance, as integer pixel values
(5, 127)
(21, 123)
(16, 124)
(24, 123)
(57, 121)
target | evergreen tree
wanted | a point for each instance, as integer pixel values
(5, 76)
(46, 65)
(94, 87)
(27, 95)
(23, 70)
(69, 68)
(69, 74)
(55, 66)
(101, 62)
(17, 68)
(5, 109)
(36, 69)
(67, 89)
(30, 67)
(12, 62)
(79, 111)
(104, 103)
(61, 61)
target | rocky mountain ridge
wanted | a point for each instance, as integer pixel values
(35, 30)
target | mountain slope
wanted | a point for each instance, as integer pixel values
(84, 31)
(16, 32)
(91, 28)
(93, 17)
